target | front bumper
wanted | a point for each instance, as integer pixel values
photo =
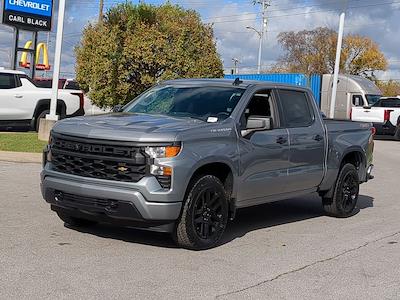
(107, 202)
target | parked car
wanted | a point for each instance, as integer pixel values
(353, 91)
(185, 155)
(384, 114)
(66, 84)
(23, 104)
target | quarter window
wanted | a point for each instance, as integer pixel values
(358, 100)
(7, 81)
(295, 108)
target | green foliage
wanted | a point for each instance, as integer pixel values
(136, 46)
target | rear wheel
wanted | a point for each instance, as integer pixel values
(76, 222)
(42, 115)
(345, 196)
(204, 216)
(397, 133)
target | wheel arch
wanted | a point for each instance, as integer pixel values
(224, 171)
(354, 156)
(44, 104)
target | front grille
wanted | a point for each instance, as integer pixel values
(97, 159)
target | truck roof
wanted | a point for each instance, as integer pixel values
(229, 82)
(3, 70)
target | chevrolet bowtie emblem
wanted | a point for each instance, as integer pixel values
(122, 169)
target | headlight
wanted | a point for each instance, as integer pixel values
(163, 152)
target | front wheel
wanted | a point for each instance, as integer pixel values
(345, 196)
(204, 216)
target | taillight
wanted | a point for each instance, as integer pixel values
(373, 130)
(351, 113)
(81, 99)
(386, 116)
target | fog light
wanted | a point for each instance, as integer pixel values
(160, 170)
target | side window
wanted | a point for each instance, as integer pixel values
(260, 105)
(358, 100)
(7, 81)
(295, 108)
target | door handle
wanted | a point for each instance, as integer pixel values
(368, 111)
(18, 96)
(281, 140)
(318, 138)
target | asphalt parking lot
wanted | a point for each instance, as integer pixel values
(283, 250)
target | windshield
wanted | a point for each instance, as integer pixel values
(372, 99)
(210, 104)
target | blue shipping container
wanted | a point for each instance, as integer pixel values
(313, 82)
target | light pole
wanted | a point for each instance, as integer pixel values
(261, 36)
(264, 4)
(57, 62)
(337, 65)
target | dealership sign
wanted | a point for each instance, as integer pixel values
(33, 15)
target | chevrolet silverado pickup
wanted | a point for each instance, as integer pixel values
(23, 104)
(383, 114)
(185, 155)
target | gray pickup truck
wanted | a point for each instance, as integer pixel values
(186, 154)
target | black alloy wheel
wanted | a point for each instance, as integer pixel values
(208, 216)
(350, 189)
(204, 215)
(345, 196)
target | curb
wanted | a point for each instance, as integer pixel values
(21, 157)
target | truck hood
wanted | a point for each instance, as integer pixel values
(127, 127)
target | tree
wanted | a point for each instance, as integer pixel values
(136, 46)
(314, 51)
(389, 88)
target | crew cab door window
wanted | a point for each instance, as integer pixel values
(7, 81)
(264, 155)
(295, 108)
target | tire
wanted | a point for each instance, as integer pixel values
(204, 216)
(346, 193)
(42, 115)
(76, 222)
(397, 133)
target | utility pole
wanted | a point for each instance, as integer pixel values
(261, 33)
(101, 8)
(337, 64)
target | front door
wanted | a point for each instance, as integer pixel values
(264, 155)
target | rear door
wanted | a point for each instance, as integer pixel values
(306, 140)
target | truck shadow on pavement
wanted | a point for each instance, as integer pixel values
(281, 212)
(247, 220)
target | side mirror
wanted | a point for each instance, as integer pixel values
(118, 108)
(255, 123)
(367, 107)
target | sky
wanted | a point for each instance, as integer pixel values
(377, 19)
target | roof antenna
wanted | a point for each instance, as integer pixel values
(237, 81)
